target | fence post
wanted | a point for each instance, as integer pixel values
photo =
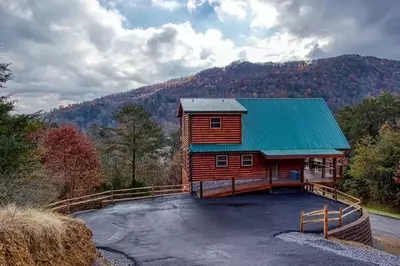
(112, 195)
(326, 221)
(233, 186)
(340, 217)
(302, 221)
(201, 189)
(335, 193)
(152, 191)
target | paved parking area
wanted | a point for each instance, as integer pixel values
(239, 230)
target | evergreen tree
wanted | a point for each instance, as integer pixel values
(135, 137)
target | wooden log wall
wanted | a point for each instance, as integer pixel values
(230, 131)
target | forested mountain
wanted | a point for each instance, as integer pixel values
(341, 81)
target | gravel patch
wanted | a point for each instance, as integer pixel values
(364, 254)
(116, 258)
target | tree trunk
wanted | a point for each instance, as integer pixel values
(133, 169)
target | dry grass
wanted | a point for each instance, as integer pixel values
(34, 237)
(350, 243)
(390, 244)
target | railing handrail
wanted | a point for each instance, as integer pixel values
(324, 220)
(154, 191)
(324, 190)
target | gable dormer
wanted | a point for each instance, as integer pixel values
(211, 121)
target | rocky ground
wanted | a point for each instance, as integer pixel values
(357, 252)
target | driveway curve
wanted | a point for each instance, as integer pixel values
(239, 230)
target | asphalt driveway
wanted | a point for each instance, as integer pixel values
(183, 230)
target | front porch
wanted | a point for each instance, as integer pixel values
(278, 173)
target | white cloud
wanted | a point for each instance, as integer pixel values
(75, 50)
(264, 16)
(232, 8)
(281, 47)
(193, 4)
(166, 4)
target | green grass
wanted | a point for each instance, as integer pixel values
(383, 210)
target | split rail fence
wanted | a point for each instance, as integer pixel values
(354, 205)
(103, 199)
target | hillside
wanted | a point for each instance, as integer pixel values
(341, 81)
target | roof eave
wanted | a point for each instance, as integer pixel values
(215, 112)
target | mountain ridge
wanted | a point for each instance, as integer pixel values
(341, 81)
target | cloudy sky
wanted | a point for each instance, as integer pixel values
(65, 51)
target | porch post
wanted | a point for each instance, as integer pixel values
(334, 170)
(270, 175)
(323, 167)
(302, 175)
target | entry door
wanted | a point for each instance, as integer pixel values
(274, 169)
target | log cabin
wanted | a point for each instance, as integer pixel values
(260, 143)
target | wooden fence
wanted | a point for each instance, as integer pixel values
(102, 199)
(354, 204)
(325, 220)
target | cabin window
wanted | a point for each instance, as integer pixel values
(221, 161)
(215, 122)
(247, 160)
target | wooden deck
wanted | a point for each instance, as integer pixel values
(247, 187)
(258, 185)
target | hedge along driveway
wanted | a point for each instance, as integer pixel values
(239, 230)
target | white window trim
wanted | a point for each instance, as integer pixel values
(226, 158)
(252, 160)
(220, 122)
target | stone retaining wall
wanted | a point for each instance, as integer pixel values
(357, 231)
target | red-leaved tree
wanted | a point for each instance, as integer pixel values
(71, 160)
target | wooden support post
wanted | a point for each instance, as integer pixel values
(302, 221)
(302, 175)
(335, 195)
(270, 176)
(334, 170)
(201, 189)
(326, 221)
(340, 217)
(152, 191)
(112, 195)
(233, 186)
(323, 167)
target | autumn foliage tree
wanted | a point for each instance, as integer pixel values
(71, 159)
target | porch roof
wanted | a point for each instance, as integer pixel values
(310, 152)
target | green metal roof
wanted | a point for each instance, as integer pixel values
(301, 152)
(212, 105)
(284, 124)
